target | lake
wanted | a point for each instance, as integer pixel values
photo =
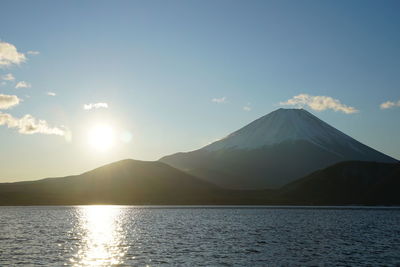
(199, 236)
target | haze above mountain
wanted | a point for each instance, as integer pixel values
(272, 151)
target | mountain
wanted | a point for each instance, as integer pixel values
(346, 183)
(131, 182)
(122, 182)
(272, 151)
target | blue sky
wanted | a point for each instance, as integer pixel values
(158, 65)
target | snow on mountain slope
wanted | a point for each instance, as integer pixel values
(285, 125)
(272, 151)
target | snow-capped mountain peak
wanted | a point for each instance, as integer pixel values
(272, 151)
(280, 126)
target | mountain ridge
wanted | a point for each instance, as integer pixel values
(258, 154)
(129, 182)
(291, 170)
(125, 181)
(347, 183)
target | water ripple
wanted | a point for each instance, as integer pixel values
(134, 236)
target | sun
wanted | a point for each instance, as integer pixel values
(101, 137)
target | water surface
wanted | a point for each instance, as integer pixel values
(198, 236)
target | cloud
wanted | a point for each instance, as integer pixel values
(8, 101)
(51, 94)
(23, 84)
(319, 103)
(7, 77)
(94, 106)
(390, 104)
(247, 107)
(9, 55)
(33, 53)
(219, 100)
(29, 125)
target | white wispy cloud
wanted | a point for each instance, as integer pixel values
(51, 94)
(319, 103)
(247, 107)
(8, 101)
(29, 125)
(219, 100)
(94, 106)
(7, 77)
(390, 104)
(33, 53)
(9, 55)
(23, 84)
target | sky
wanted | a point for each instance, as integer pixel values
(160, 77)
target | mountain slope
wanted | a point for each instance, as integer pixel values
(272, 151)
(122, 182)
(131, 182)
(346, 183)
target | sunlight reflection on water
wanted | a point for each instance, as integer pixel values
(190, 236)
(102, 235)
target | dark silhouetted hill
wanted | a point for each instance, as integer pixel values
(347, 183)
(131, 182)
(122, 182)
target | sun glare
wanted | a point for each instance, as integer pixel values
(102, 236)
(101, 137)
